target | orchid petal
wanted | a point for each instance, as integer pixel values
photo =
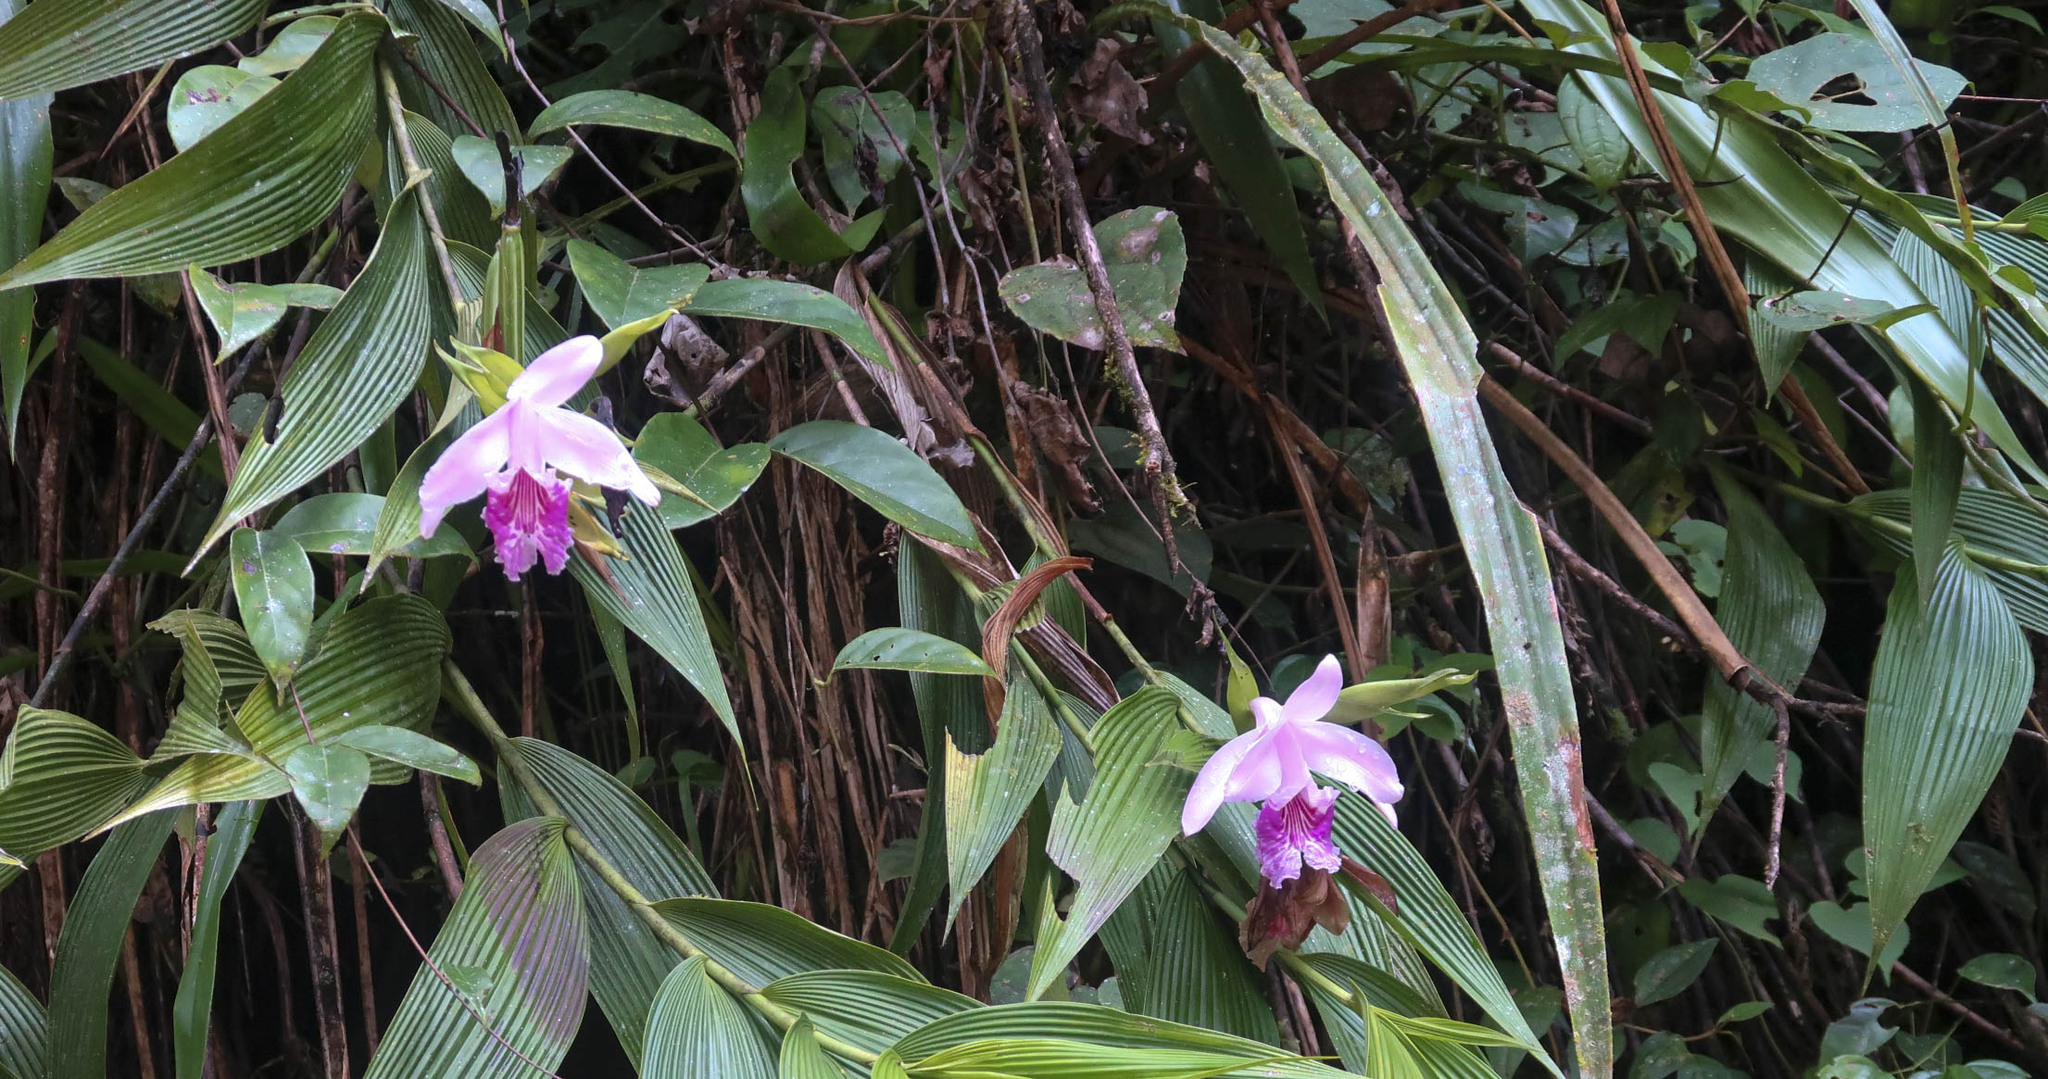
(1287, 751)
(591, 452)
(1265, 712)
(554, 376)
(1313, 699)
(1351, 758)
(1213, 782)
(464, 469)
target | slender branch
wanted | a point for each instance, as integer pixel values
(413, 171)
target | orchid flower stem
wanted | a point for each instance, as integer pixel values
(414, 173)
(1059, 703)
(1297, 966)
(464, 697)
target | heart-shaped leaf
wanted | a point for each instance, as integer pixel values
(1146, 256)
(329, 780)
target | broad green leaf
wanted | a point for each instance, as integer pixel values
(1438, 350)
(1146, 256)
(273, 582)
(653, 594)
(1094, 1025)
(465, 214)
(1673, 970)
(681, 447)
(2001, 970)
(898, 649)
(356, 368)
(791, 302)
(628, 960)
(1947, 690)
(1743, 902)
(1772, 614)
(622, 293)
(484, 167)
(292, 47)
(865, 1007)
(517, 935)
(803, 1057)
(1603, 150)
(345, 523)
(208, 96)
(1060, 1058)
(24, 1031)
(987, 795)
(1226, 122)
(329, 780)
(1113, 839)
(1851, 927)
(479, 14)
(698, 1031)
(261, 181)
(1426, 1046)
(882, 472)
(1177, 959)
(860, 147)
(2002, 534)
(1799, 73)
(448, 52)
(624, 108)
(242, 313)
(1936, 485)
(25, 155)
(61, 778)
(192, 1011)
(761, 944)
(776, 211)
(411, 749)
(90, 945)
(1955, 304)
(1777, 345)
(73, 42)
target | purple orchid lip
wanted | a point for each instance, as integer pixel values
(1297, 833)
(513, 457)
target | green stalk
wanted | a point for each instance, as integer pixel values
(414, 173)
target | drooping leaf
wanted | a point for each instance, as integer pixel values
(484, 168)
(623, 293)
(63, 45)
(899, 649)
(479, 14)
(192, 1011)
(356, 368)
(60, 778)
(25, 157)
(802, 1056)
(1177, 960)
(24, 1031)
(1437, 349)
(291, 47)
(1773, 616)
(784, 223)
(260, 181)
(624, 108)
(628, 962)
(863, 151)
(411, 749)
(1947, 689)
(883, 473)
(274, 590)
(987, 795)
(1145, 254)
(791, 302)
(329, 780)
(1111, 841)
(760, 943)
(1936, 485)
(698, 1031)
(90, 945)
(1097, 1026)
(681, 447)
(243, 312)
(864, 1007)
(1673, 970)
(517, 938)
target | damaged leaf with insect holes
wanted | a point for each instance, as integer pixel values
(1146, 256)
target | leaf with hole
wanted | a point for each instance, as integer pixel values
(898, 649)
(1802, 73)
(1145, 254)
(988, 794)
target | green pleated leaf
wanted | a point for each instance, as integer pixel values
(803, 1057)
(1399, 1045)
(1177, 960)
(1438, 349)
(1946, 693)
(73, 42)
(227, 648)
(1094, 1025)
(273, 583)
(1060, 1058)
(653, 594)
(628, 962)
(192, 1011)
(624, 108)
(259, 182)
(1427, 917)
(681, 447)
(357, 367)
(411, 749)
(1111, 841)
(622, 293)
(465, 214)
(24, 1031)
(987, 795)
(2006, 538)
(25, 155)
(760, 943)
(60, 778)
(900, 649)
(448, 52)
(1773, 616)
(1936, 485)
(866, 1008)
(780, 218)
(514, 948)
(1944, 288)
(378, 662)
(398, 522)
(90, 945)
(698, 1031)
(791, 302)
(883, 473)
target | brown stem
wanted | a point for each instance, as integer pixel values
(437, 836)
(323, 950)
(1369, 29)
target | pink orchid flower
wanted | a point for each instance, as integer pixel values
(511, 458)
(1275, 762)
